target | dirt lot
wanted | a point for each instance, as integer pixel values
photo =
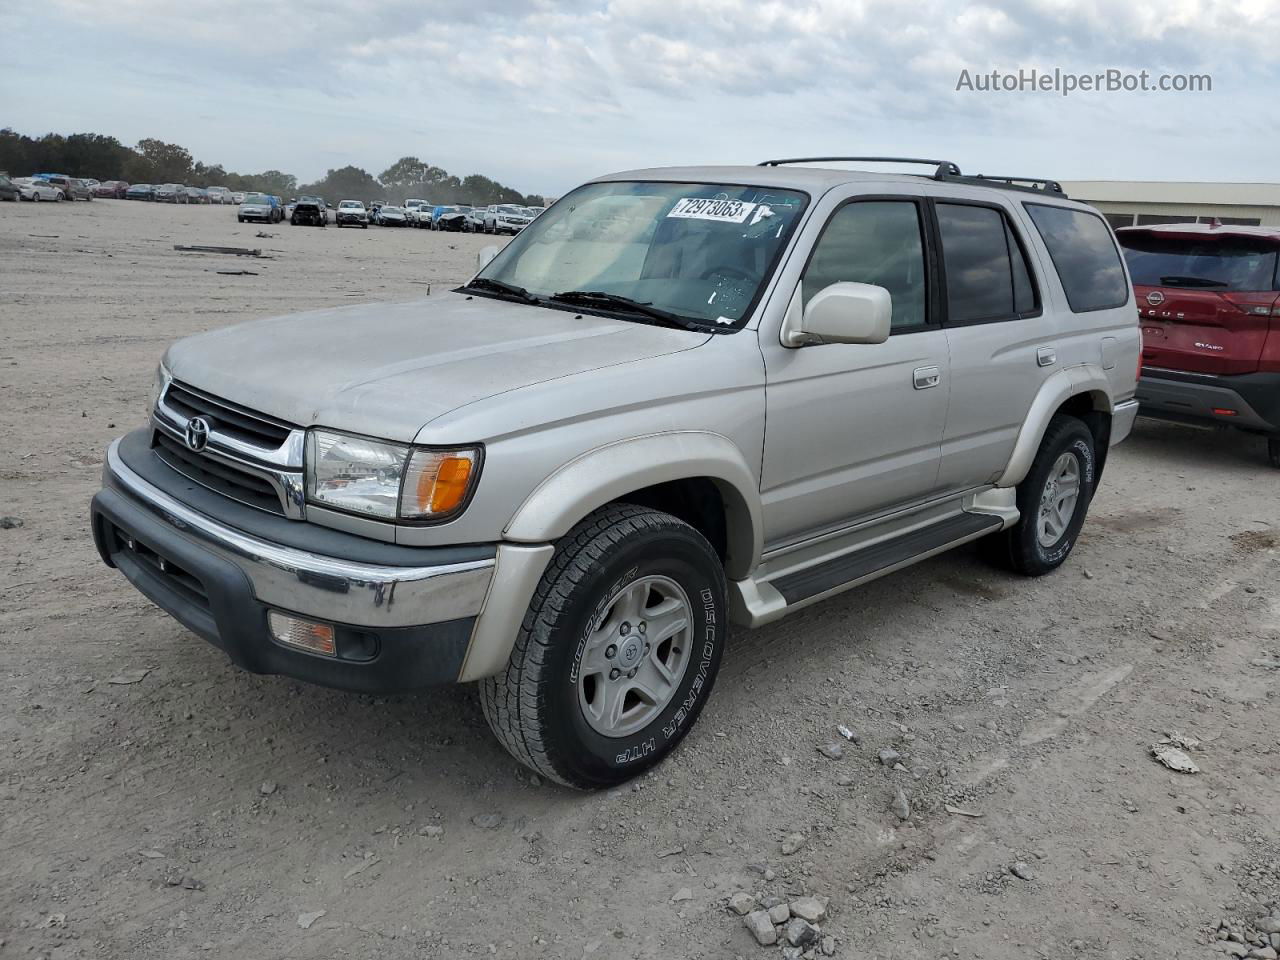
(204, 812)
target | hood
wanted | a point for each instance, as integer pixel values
(387, 369)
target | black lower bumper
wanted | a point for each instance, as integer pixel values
(214, 599)
(1250, 401)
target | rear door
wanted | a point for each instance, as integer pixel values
(1207, 300)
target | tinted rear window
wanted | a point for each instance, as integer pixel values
(1226, 263)
(987, 274)
(1084, 255)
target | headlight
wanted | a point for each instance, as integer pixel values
(390, 481)
(158, 383)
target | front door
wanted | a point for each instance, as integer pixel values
(853, 430)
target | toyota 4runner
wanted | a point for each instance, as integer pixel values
(680, 398)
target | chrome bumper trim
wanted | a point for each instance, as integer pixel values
(328, 588)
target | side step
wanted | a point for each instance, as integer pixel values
(803, 584)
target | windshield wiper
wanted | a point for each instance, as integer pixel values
(1191, 282)
(498, 286)
(598, 298)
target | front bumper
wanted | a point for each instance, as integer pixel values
(398, 627)
(1187, 397)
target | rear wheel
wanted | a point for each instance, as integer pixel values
(618, 650)
(1053, 501)
(1273, 450)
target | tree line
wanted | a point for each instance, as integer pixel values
(154, 161)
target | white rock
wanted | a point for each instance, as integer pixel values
(761, 927)
(681, 895)
(305, 920)
(809, 908)
(742, 903)
(779, 913)
(901, 806)
(791, 843)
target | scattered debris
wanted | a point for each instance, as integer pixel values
(672, 852)
(233, 251)
(832, 751)
(262, 234)
(305, 920)
(791, 843)
(847, 733)
(778, 910)
(487, 821)
(960, 812)
(889, 756)
(268, 788)
(1266, 663)
(431, 830)
(362, 866)
(9, 523)
(236, 273)
(53, 920)
(808, 908)
(129, 676)
(1022, 871)
(801, 933)
(152, 854)
(681, 895)
(1173, 758)
(901, 806)
(1181, 741)
(742, 903)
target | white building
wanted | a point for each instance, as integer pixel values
(1128, 202)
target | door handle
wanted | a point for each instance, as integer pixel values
(925, 377)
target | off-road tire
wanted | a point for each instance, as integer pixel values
(533, 706)
(1019, 548)
(1273, 450)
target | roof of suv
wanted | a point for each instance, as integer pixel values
(1189, 231)
(816, 179)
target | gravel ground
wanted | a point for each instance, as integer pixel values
(156, 802)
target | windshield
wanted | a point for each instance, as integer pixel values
(1225, 263)
(351, 205)
(700, 251)
(256, 198)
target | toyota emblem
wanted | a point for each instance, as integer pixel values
(1155, 298)
(197, 433)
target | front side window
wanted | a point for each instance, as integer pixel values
(701, 252)
(1084, 254)
(877, 242)
(987, 273)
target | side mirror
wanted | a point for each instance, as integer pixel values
(485, 255)
(847, 313)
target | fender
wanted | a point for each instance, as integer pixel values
(1084, 378)
(609, 472)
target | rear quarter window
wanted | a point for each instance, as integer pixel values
(1085, 256)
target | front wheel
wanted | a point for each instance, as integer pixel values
(1053, 501)
(618, 650)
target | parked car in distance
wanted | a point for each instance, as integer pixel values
(392, 216)
(218, 195)
(450, 218)
(351, 213)
(8, 189)
(475, 219)
(1209, 305)
(170, 193)
(576, 533)
(34, 188)
(505, 218)
(260, 207)
(140, 191)
(196, 195)
(71, 187)
(111, 189)
(237, 196)
(418, 212)
(310, 210)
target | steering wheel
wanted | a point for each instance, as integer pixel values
(727, 272)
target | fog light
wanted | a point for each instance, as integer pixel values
(302, 634)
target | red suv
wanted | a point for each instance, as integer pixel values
(1209, 301)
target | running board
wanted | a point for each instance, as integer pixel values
(758, 602)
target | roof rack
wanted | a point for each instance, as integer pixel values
(943, 170)
(1032, 184)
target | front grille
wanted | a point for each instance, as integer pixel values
(244, 425)
(230, 481)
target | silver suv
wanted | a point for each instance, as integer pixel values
(680, 398)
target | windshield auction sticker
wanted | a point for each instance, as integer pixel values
(725, 211)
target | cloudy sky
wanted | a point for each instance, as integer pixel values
(542, 94)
